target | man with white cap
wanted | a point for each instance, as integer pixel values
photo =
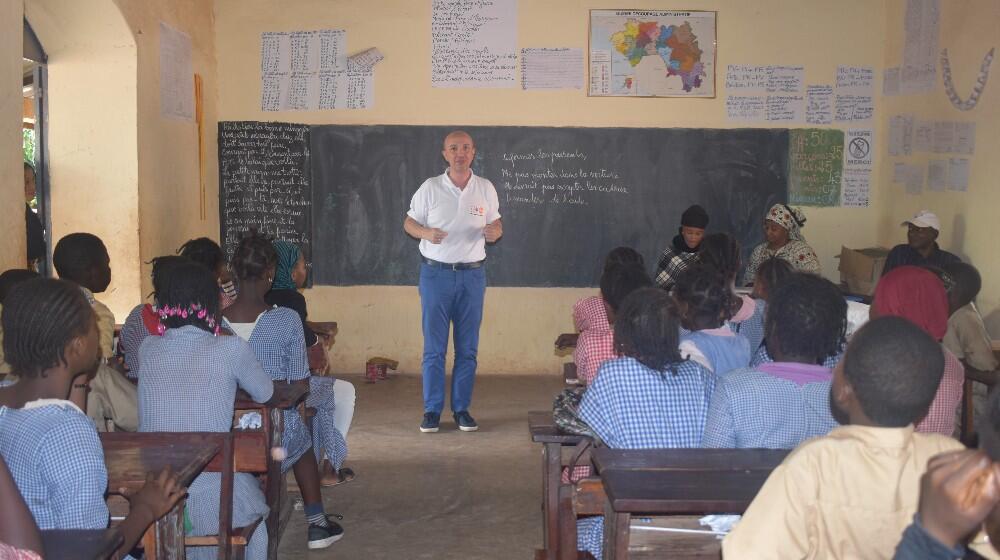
(921, 248)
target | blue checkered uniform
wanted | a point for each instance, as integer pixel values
(188, 384)
(631, 406)
(751, 409)
(762, 357)
(753, 328)
(280, 346)
(326, 437)
(57, 462)
(133, 332)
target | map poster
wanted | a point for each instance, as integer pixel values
(816, 165)
(652, 53)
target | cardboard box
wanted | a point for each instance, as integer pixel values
(860, 269)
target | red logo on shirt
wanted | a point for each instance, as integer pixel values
(477, 210)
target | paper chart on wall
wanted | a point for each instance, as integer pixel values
(937, 175)
(958, 174)
(901, 135)
(920, 47)
(308, 71)
(552, 68)
(819, 104)
(859, 148)
(176, 74)
(474, 43)
(855, 93)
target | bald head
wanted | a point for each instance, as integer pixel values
(459, 151)
(458, 137)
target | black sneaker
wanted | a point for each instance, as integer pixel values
(322, 537)
(465, 421)
(431, 423)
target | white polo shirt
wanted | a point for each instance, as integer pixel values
(462, 213)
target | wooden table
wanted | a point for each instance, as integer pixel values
(677, 482)
(80, 544)
(287, 395)
(131, 456)
(543, 430)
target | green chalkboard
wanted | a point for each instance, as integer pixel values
(816, 163)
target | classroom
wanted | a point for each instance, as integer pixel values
(156, 122)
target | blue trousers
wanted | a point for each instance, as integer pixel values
(450, 297)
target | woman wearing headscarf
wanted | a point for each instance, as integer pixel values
(782, 230)
(682, 251)
(918, 295)
(332, 398)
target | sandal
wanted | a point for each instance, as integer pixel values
(344, 476)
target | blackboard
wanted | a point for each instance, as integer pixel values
(265, 182)
(567, 195)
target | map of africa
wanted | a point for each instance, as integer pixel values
(652, 53)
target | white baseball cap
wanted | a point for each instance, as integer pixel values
(924, 218)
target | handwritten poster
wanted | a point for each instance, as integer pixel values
(855, 93)
(816, 163)
(920, 46)
(474, 43)
(308, 71)
(552, 68)
(746, 107)
(819, 104)
(176, 74)
(958, 174)
(858, 163)
(901, 135)
(785, 108)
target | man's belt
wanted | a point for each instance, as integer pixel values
(453, 266)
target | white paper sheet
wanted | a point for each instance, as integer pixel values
(474, 43)
(901, 135)
(943, 141)
(923, 134)
(859, 148)
(365, 60)
(176, 74)
(785, 79)
(310, 70)
(920, 46)
(890, 81)
(937, 175)
(965, 138)
(785, 108)
(855, 93)
(958, 174)
(746, 78)
(746, 107)
(819, 104)
(557, 68)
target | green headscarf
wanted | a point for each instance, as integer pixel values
(288, 255)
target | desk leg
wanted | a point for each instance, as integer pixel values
(551, 473)
(168, 536)
(275, 484)
(616, 529)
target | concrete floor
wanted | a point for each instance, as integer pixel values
(447, 495)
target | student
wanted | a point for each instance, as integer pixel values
(47, 441)
(82, 259)
(144, 320)
(918, 295)
(207, 252)
(851, 493)
(921, 248)
(332, 398)
(596, 346)
(771, 273)
(779, 404)
(651, 397)
(966, 336)
(590, 312)
(702, 303)
(9, 279)
(19, 536)
(746, 315)
(684, 248)
(275, 336)
(783, 232)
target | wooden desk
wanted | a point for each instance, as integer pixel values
(677, 482)
(288, 395)
(131, 456)
(543, 430)
(80, 544)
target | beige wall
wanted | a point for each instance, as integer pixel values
(520, 324)
(969, 220)
(12, 240)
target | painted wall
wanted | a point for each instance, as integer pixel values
(12, 240)
(969, 220)
(520, 323)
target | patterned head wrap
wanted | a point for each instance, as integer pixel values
(788, 217)
(288, 255)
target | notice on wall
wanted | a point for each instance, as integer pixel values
(965, 138)
(176, 74)
(816, 163)
(859, 144)
(308, 71)
(764, 79)
(958, 174)
(901, 135)
(785, 108)
(819, 104)
(920, 46)
(943, 139)
(855, 93)
(746, 108)
(923, 132)
(560, 68)
(474, 43)
(890, 81)
(937, 175)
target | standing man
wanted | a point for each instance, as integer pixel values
(454, 215)
(921, 248)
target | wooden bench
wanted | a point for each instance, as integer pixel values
(80, 544)
(129, 457)
(676, 482)
(287, 396)
(967, 429)
(543, 430)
